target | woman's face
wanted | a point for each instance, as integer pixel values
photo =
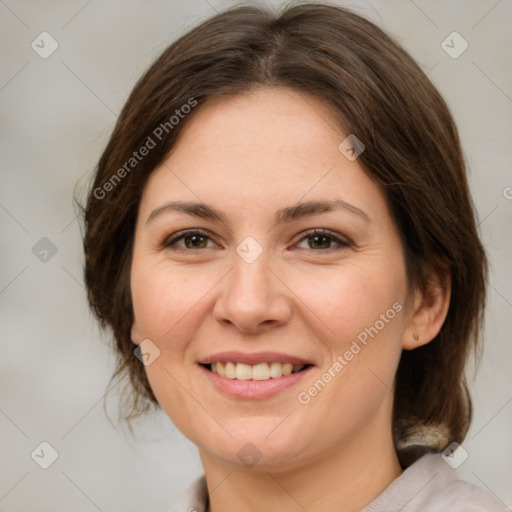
(252, 283)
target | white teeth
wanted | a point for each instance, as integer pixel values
(287, 368)
(230, 369)
(261, 371)
(243, 371)
(276, 370)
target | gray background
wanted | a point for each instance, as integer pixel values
(55, 118)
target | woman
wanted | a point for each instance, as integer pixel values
(281, 237)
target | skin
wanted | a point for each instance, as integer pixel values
(250, 156)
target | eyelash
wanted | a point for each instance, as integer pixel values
(170, 242)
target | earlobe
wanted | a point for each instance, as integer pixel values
(135, 335)
(430, 307)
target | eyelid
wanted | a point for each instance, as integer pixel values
(342, 241)
(168, 241)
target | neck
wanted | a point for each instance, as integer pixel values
(345, 479)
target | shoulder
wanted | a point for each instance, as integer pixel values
(427, 485)
(195, 499)
(465, 496)
(431, 485)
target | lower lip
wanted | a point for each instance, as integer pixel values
(253, 389)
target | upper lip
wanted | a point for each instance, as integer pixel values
(252, 359)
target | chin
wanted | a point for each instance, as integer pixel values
(256, 450)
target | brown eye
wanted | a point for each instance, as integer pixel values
(194, 241)
(191, 240)
(322, 240)
(319, 240)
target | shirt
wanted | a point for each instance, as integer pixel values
(427, 485)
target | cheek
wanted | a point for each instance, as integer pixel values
(351, 298)
(365, 309)
(165, 303)
(361, 318)
(165, 299)
(361, 313)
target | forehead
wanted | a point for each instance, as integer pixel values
(270, 147)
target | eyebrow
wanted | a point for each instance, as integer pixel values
(288, 214)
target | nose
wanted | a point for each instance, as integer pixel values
(253, 298)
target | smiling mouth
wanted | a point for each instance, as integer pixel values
(262, 371)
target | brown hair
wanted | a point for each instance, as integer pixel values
(377, 92)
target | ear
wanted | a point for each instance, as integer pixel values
(429, 309)
(135, 334)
